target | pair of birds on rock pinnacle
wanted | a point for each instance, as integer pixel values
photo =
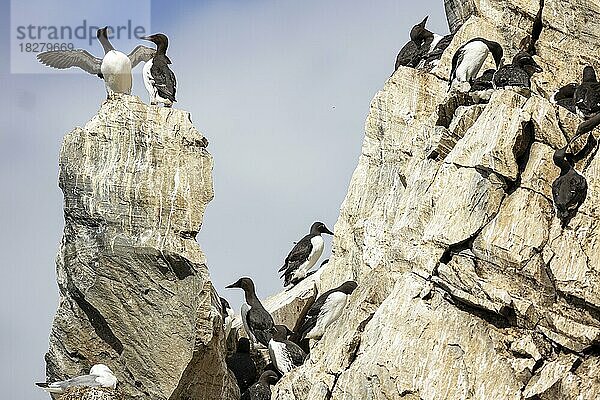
(115, 67)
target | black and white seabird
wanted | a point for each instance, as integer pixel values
(518, 73)
(257, 321)
(304, 255)
(261, 390)
(424, 49)
(100, 376)
(115, 67)
(326, 310)
(228, 316)
(409, 54)
(159, 80)
(469, 58)
(432, 56)
(482, 87)
(569, 190)
(587, 95)
(285, 355)
(242, 365)
(565, 97)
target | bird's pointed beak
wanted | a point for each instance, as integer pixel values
(537, 68)
(424, 22)
(328, 231)
(146, 38)
(233, 285)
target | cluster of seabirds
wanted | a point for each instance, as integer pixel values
(289, 348)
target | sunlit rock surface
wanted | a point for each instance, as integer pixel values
(469, 288)
(135, 293)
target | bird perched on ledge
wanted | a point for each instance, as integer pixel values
(587, 95)
(468, 60)
(159, 80)
(257, 321)
(518, 73)
(115, 67)
(304, 255)
(326, 310)
(100, 376)
(569, 190)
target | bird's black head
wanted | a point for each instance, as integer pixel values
(243, 283)
(589, 74)
(319, 227)
(568, 196)
(280, 332)
(160, 40)
(496, 50)
(243, 345)
(525, 61)
(102, 33)
(419, 34)
(224, 305)
(269, 377)
(488, 74)
(348, 287)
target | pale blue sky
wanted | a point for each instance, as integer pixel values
(281, 90)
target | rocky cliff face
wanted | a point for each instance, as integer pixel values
(469, 288)
(134, 288)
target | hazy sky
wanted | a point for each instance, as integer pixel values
(281, 90)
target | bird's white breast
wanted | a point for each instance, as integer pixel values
(116, 69)
(244, 313)
(329, 313)
(317, 249)
(280, 356)
(475, 54)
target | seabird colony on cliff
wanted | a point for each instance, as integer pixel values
(287, 348)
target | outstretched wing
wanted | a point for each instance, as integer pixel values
(62, 59)
(140, 54)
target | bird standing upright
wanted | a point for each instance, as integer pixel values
(159, 80)
(285, 355)
(587, 95)
(242, 365)
(304, 255)
(257, 321)
(326, 310)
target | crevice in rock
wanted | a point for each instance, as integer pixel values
(188, 234)
(456, 248)
(97, 320)
(446, 110)
(355, 343)
(536, 31)
(180, 266)
(592, 310)
(500, 321)
(521, 152)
